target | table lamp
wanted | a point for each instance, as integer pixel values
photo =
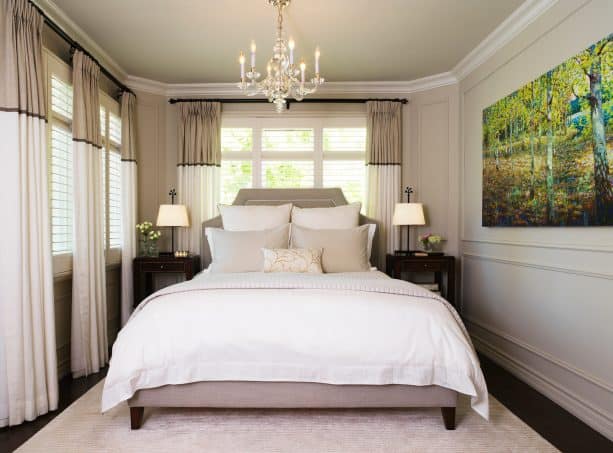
(172, 215)
(408, 214)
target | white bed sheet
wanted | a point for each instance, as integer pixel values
(358, 328)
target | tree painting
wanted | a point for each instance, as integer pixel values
(548, 147)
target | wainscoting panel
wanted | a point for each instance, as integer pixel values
(62, 288)
(532, 316)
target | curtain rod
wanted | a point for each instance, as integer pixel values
(75, 45)
(288, 101)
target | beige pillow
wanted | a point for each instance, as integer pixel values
(343, 250)
(252, 217)
(241, 251)
(338, 217)
(292, 260)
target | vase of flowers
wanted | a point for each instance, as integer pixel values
(430, 243)
(148, 239)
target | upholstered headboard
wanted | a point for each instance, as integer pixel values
(303, 198)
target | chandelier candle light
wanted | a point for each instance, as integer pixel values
(281, 81)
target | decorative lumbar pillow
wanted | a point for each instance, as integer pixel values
(292, 260)
(338, 217)
(343, 250)
(253, 218)
(241, 251)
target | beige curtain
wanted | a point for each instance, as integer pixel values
(384, 160)
(28, 365)
(128, 201)
(88, 342)
(198, 168)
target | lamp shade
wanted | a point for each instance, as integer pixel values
(171, 215)
(409, 214)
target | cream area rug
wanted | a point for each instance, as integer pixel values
(82, 428)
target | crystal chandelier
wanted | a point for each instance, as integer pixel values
(283, 79)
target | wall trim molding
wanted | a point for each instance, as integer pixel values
(78, 34)
(543, 355)
(533, 265)
(512, 26)
(328, 89)
(558, 393)
(542, 245)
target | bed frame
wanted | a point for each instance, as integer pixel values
(285, 395)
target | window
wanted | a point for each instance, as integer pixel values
(293, 152)
(59, 145)
(60, 165)
(110, 129)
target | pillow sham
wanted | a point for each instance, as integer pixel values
(293, 260)
(241, 251)
(343, 250)
(254, 218)
(338, 217)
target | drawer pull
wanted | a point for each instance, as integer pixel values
(161, 266)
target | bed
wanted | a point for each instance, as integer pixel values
(255, 340)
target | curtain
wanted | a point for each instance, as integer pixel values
(128, 201)
(384, 160)
(88, 342)
(198, 167)
(28, 364)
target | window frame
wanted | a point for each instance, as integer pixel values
(110, 106)
(256, 156)
(54, 66)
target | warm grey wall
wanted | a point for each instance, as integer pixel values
(430, 152)
(539, 300)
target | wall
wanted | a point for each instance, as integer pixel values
(539, 300)
(430, 146)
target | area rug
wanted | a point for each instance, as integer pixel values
(82, 428)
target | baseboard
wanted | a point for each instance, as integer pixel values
(568, 400)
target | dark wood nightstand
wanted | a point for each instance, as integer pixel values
(145, 266)
(438, 264)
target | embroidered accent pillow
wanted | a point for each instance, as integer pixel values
(293, 260)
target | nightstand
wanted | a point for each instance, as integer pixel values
(145, 266)
(438, 264)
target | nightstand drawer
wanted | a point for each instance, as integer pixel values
(425, 266)
(163, 267)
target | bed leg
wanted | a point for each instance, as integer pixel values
(448, 417)
(136, 417)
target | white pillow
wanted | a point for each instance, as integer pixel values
(293, 260)
(241, 251)
(253, 218)
(343, 250)
(336, 218)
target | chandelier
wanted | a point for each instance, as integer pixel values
(283, 79)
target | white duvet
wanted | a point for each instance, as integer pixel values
(355, 328)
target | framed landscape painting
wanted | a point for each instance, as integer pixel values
(548, 147)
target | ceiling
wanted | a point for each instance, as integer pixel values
(198, 41)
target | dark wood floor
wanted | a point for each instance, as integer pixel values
(563, 430)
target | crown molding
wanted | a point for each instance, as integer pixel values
(78, 34)
(328, 89)
(512, 26)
